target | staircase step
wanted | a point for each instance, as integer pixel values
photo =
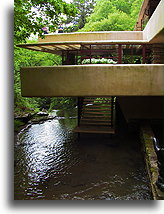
(99, 97)
(100, 100)
(95, 110)
(96, 116)
(95, 119)
(91, 112)
(97, 124)
(97, 107)
(94, 129)
(105, 100)
(97, 103)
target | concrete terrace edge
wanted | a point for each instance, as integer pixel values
(93, 36)
(93, 80)
(153, 31)
(152, 34)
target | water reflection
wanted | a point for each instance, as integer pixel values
(51, 164)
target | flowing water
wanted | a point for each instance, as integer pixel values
(51, 164)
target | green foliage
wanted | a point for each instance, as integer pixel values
(44, 102)
(135, 8)
(62, 103)
(113, 15)
(117, 21)
(18, 124)
(25, 58)
(135, 59)
(30, 16)
(99, 61)
(85, 8)
(101, 11)
(123, 5)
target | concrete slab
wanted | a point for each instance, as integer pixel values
(153, 31)
(93, 36)
(93, 80)
(55, 43)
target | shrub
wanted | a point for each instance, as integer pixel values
(99, 61)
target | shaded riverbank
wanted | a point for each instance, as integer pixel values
(51, 164)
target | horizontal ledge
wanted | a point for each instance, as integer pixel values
(95, 32)
(93, 80)
(94, 129)
(65, 67)
(98, 42)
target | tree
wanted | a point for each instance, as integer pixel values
(113, 15)
(118, 21)
(30, 16)
(85, 8)
(25, 58)
(101, 11)
(135, 8)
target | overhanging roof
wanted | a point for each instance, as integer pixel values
(58, 47)
(56, 43)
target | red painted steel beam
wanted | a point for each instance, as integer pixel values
(119, 54)
(143, 54)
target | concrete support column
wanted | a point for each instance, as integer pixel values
(70, 59)
(157, 54)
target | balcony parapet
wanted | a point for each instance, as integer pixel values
(56, 43)
(93, 80)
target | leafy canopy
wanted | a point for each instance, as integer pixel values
(30, 16)
(113, 15)
(85, 8)
(26, 58)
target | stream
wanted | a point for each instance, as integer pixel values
(51, 164)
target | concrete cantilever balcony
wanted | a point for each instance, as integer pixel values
(93, 80)
(56, 43)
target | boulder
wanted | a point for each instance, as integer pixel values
(41, 113)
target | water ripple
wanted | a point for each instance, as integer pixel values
(51, 164)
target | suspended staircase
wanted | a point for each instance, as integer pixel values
(96, 115)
